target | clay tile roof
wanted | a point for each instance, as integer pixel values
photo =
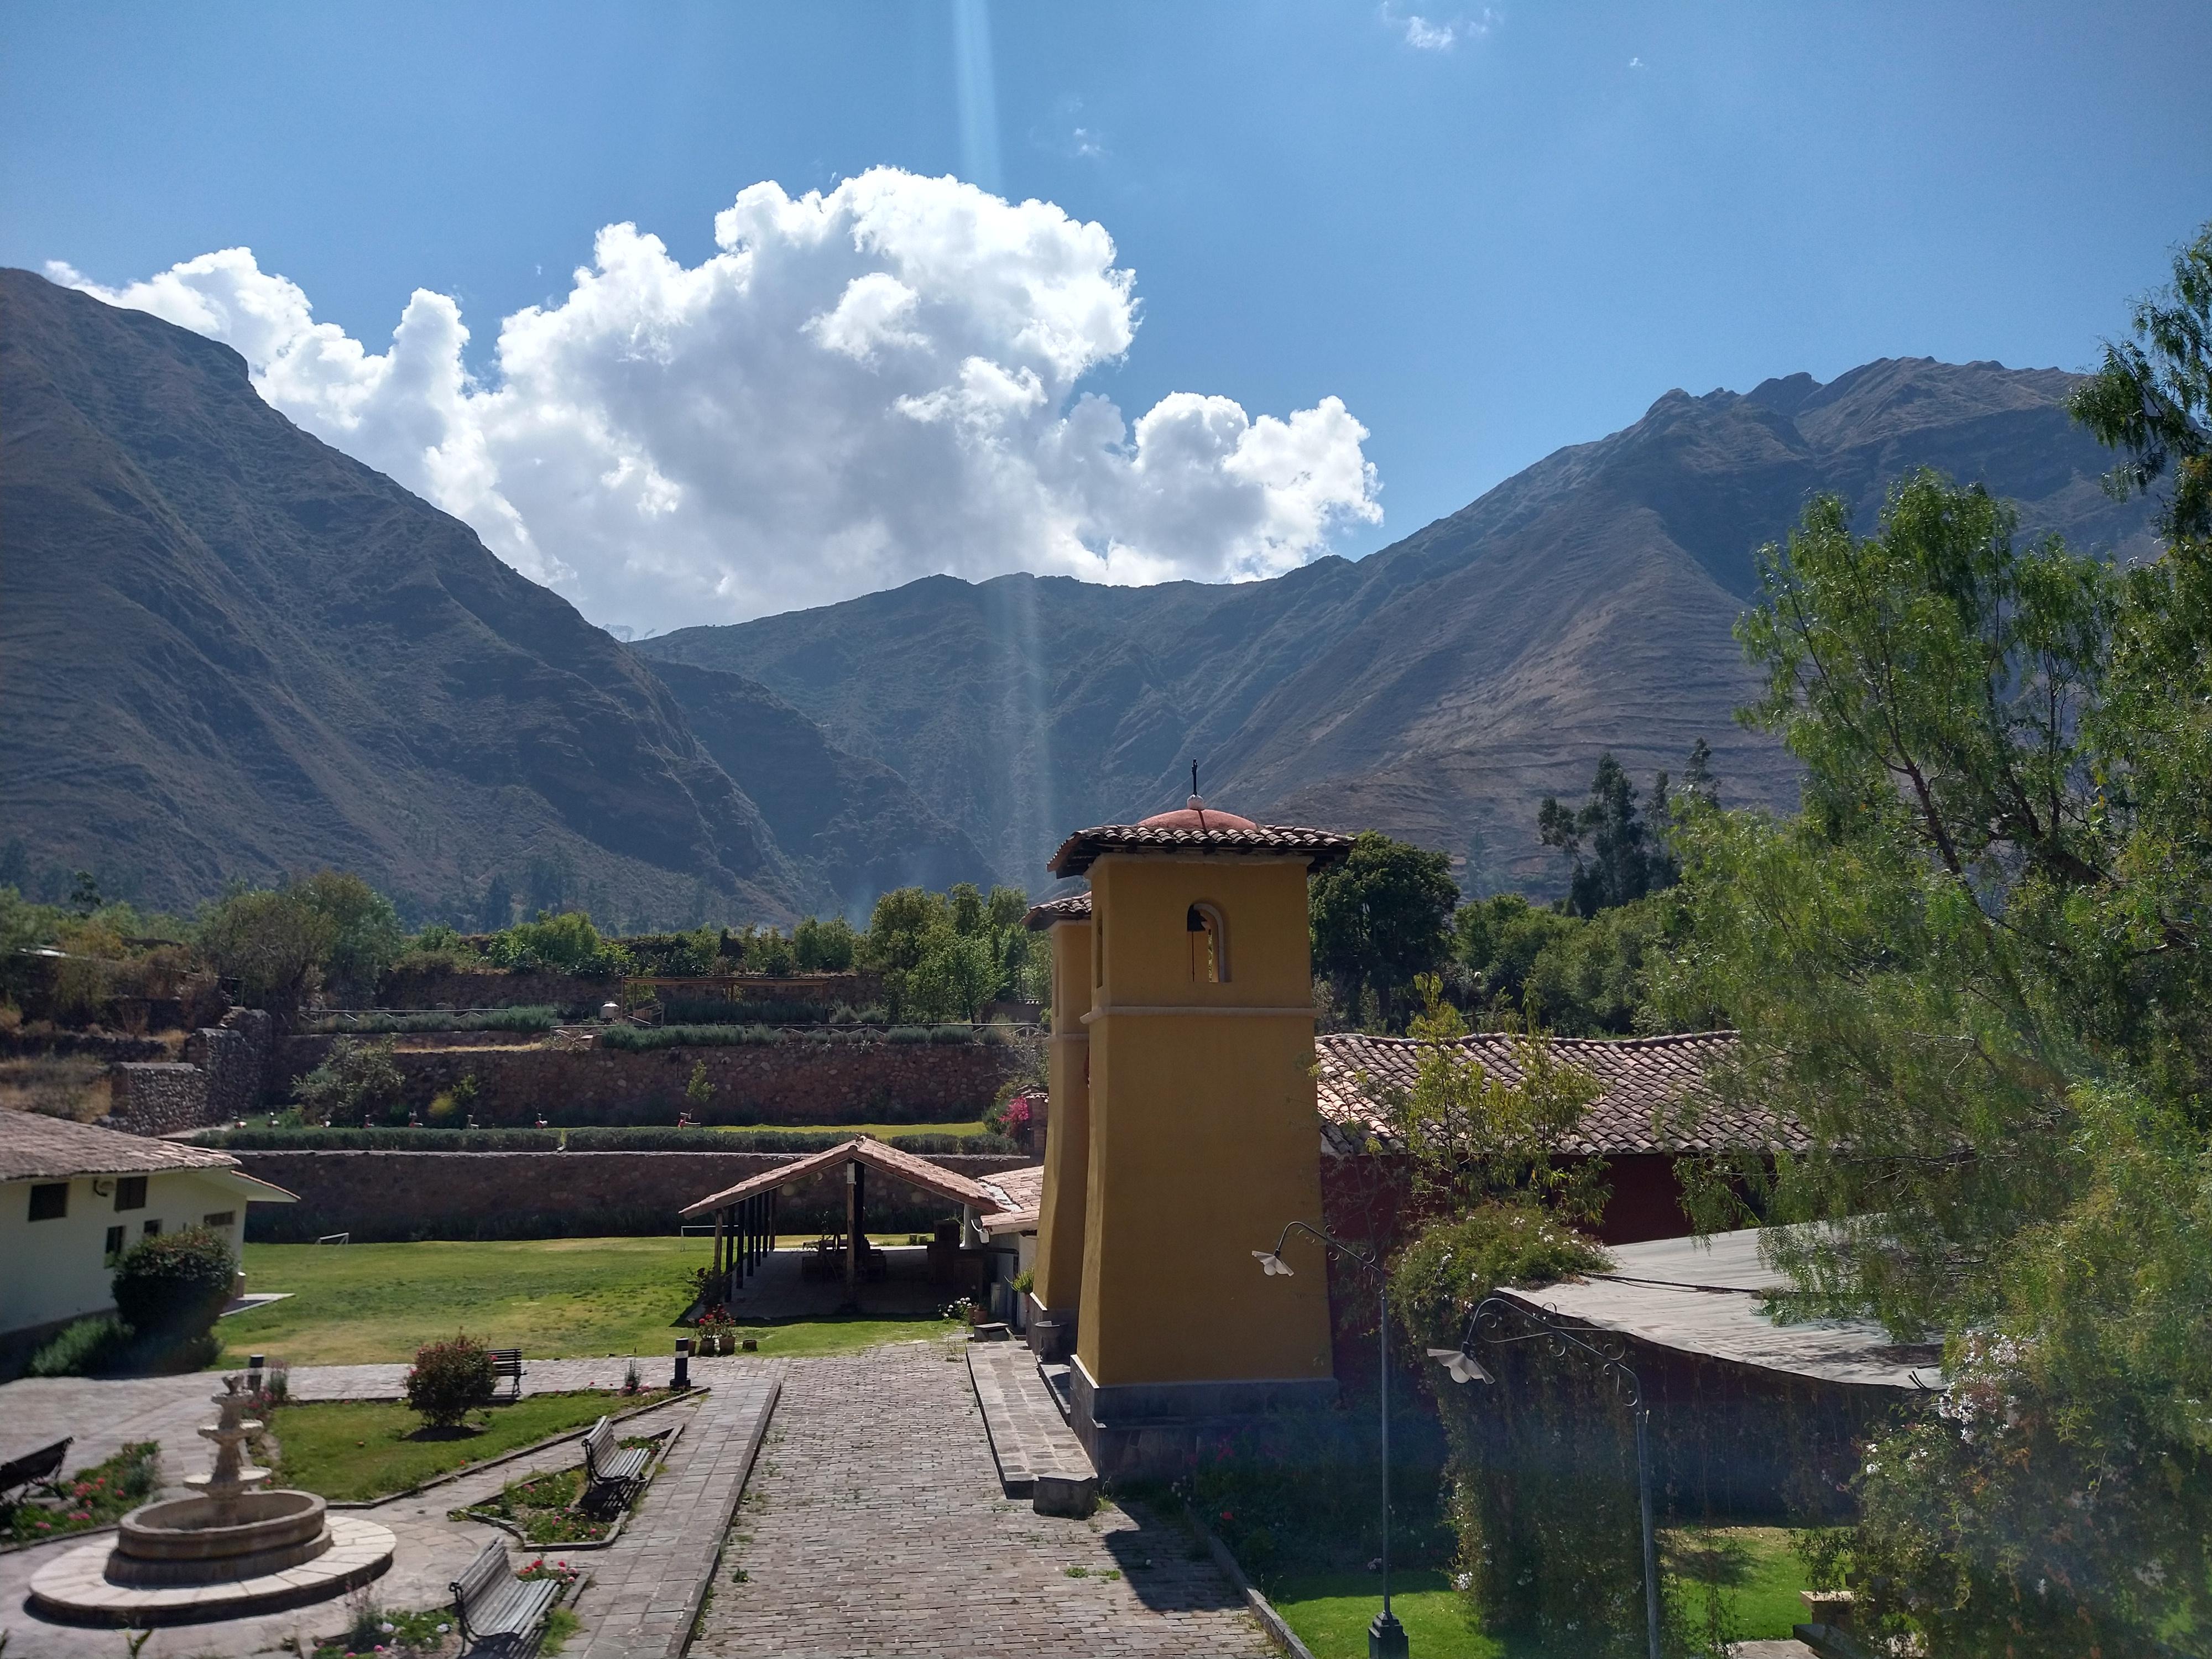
(1645, 1081)
(1321, 849)
(35, 1148)
(909, 1167)
(1075, 907)
(1018, 1189)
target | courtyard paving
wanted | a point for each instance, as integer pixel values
(430, 1549)
(874, 1524)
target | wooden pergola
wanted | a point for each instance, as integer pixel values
(744, 1215)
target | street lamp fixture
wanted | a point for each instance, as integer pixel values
(1598, 1351)
(1386, 1636)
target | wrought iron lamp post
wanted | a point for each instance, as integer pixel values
(1386, 1636)
(1572, 1343)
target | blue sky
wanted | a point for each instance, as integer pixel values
(1484, 249)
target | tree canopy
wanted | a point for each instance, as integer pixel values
(1382, 918)
(1974, 967)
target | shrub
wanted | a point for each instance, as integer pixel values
(355, 1080)
(1453, 1264)
(174, 1285)
(84, 1349)
(432, 1139)
(928, 1145)
(449, 1380)
(951, 1034)
(907, 1034)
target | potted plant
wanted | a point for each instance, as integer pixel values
(715, 1331)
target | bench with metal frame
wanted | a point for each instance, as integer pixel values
(507, 1362)
(610, 1466)
(39, 1468)
(491, 1604)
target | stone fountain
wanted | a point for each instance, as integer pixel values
(232, 1550)
(231, 1531)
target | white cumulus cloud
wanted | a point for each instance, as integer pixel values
(859, 387)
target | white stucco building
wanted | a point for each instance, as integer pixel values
(74, 1197)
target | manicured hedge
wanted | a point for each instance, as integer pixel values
(384, 1140)
(377, 1022)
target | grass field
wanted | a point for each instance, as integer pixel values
(351, 1449)
(1760, 1575)
(553, 1299)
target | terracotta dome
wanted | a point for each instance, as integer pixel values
(1195, 816)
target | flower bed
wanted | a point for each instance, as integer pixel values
(91, 1498)
(554, 1508)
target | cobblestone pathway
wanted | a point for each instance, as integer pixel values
(874, 1525)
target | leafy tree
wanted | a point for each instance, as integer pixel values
(84, 893)
(958, 972)
(365, 937)
(898, 935)
(1974, 967)
(2152, 397)
(1625, 860)
(356, 1082)
(1382, 918)
(268, 941)
(567, 943)
(823, 947)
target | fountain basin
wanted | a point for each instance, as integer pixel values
(196, 1540)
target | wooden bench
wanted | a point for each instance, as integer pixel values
(607, 1465)
(507, 1362)
(491, 1604)
(38, 1469)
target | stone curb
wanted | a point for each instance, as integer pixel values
(1273, 1622)
(706, 1580)
(452, 1475)
(660, 1463)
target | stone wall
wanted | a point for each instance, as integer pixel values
(794, 1082)
(157, 1097)
(410, 1195)
(494, 988)
(236, 1055)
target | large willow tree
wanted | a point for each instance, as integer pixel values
(1977, 967)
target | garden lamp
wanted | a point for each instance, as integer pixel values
(1463, 1366)
(1386, 1636)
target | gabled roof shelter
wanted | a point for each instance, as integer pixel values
(744, 1215)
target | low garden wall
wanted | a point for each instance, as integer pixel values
(795, 1082)
(379, 1196)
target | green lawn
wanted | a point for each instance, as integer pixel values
(552, 1297)
(352, 1449)
(1759, 1573)
(1331, 1611)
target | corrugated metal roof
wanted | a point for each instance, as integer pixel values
(1645, 1081)
(36, 1147)
(1705, 1297)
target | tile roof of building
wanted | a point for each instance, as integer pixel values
(1023, 1192)
(1075, 907)
(909, 1167)
(36, 1147)
(1321, 849)
(1645, 1081)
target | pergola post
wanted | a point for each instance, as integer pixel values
(853, 1233)
(716, 1272)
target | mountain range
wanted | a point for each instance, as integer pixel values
(1437, 689)
(229, 652)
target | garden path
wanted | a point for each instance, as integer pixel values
(875, 1525)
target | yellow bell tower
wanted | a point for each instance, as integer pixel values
(1184, 1003)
